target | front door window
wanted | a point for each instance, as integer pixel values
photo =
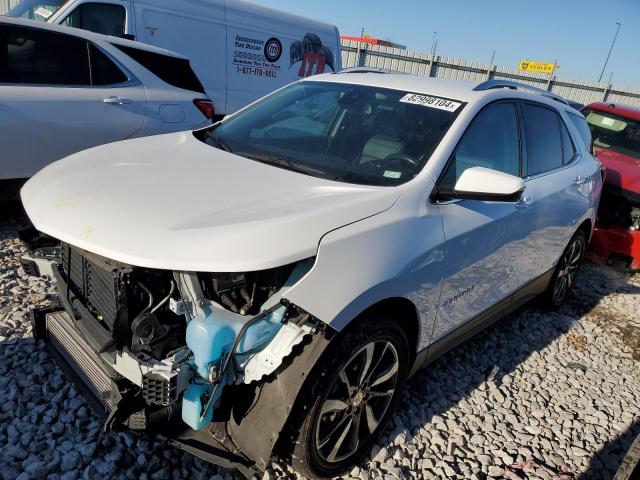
(105, 18)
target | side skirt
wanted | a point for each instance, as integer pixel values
(483, 320)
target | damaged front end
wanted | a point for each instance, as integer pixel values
(618, 229)
(170, 349)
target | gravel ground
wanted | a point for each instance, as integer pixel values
(537, 396)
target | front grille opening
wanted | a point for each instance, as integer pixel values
(98, 283)
(115, 294)
(616, 209)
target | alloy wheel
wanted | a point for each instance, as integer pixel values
(357, 401)
(568, 270)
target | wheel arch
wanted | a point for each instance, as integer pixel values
(587, 227)
(400, 310)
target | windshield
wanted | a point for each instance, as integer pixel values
(40, 10)
(349, 133)
(613, 132)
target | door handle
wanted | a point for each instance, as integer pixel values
(116, 100)
(580, 180)
(526, 202)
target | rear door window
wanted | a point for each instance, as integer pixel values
(172, 70)
(103, 70)
(105, 18)
(32, 56)
(491, 141)
(544, 141)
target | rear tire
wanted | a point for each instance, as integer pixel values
(349, 398)
(566, 271)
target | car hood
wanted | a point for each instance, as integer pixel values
(623, 171)
(173, 202)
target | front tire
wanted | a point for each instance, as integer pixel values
(566, 271)
(348, 399)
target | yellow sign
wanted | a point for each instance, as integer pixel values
(543, 67)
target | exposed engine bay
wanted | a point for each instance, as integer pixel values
(619, 208)
(174, 340)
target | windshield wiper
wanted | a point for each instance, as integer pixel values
(284, 162)
(219, 141)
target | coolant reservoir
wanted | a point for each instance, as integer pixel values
(210, 337)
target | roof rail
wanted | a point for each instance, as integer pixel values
(366, 70)
(491, 84)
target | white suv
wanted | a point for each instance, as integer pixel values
(268, 284)
(63, 90)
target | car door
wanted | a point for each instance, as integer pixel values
(556, 195)
(482, 237)
(60, 94)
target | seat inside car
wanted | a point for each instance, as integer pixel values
(385, 142)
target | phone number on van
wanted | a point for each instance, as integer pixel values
(258, 72)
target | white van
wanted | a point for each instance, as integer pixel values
(239, 50)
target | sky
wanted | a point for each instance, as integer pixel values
(576, 33)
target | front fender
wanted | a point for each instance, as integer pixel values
(375, 259)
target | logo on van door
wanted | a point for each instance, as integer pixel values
(273, 49)
(312, 55)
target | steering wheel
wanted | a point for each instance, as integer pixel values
(405, 164)
(397, 158)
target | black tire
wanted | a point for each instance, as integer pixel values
(313, 417)
(566, 271)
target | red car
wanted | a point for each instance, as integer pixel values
(615, 130)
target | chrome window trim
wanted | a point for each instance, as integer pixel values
(576, 158)
(130, 83)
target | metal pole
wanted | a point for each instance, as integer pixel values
(361, 60)
(610, 50)
(550, 77)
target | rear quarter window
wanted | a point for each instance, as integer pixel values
(172, 70)
(568, 149)
(583, 128)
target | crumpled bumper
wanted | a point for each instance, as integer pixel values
(101, 387)
(618, 240)
(243, 440)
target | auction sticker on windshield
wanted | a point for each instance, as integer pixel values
(433, 102)
(43, 12)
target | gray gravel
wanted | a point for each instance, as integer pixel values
(538, 396)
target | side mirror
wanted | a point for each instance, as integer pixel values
(480, 183)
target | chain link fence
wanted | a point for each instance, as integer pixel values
(356, 54)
